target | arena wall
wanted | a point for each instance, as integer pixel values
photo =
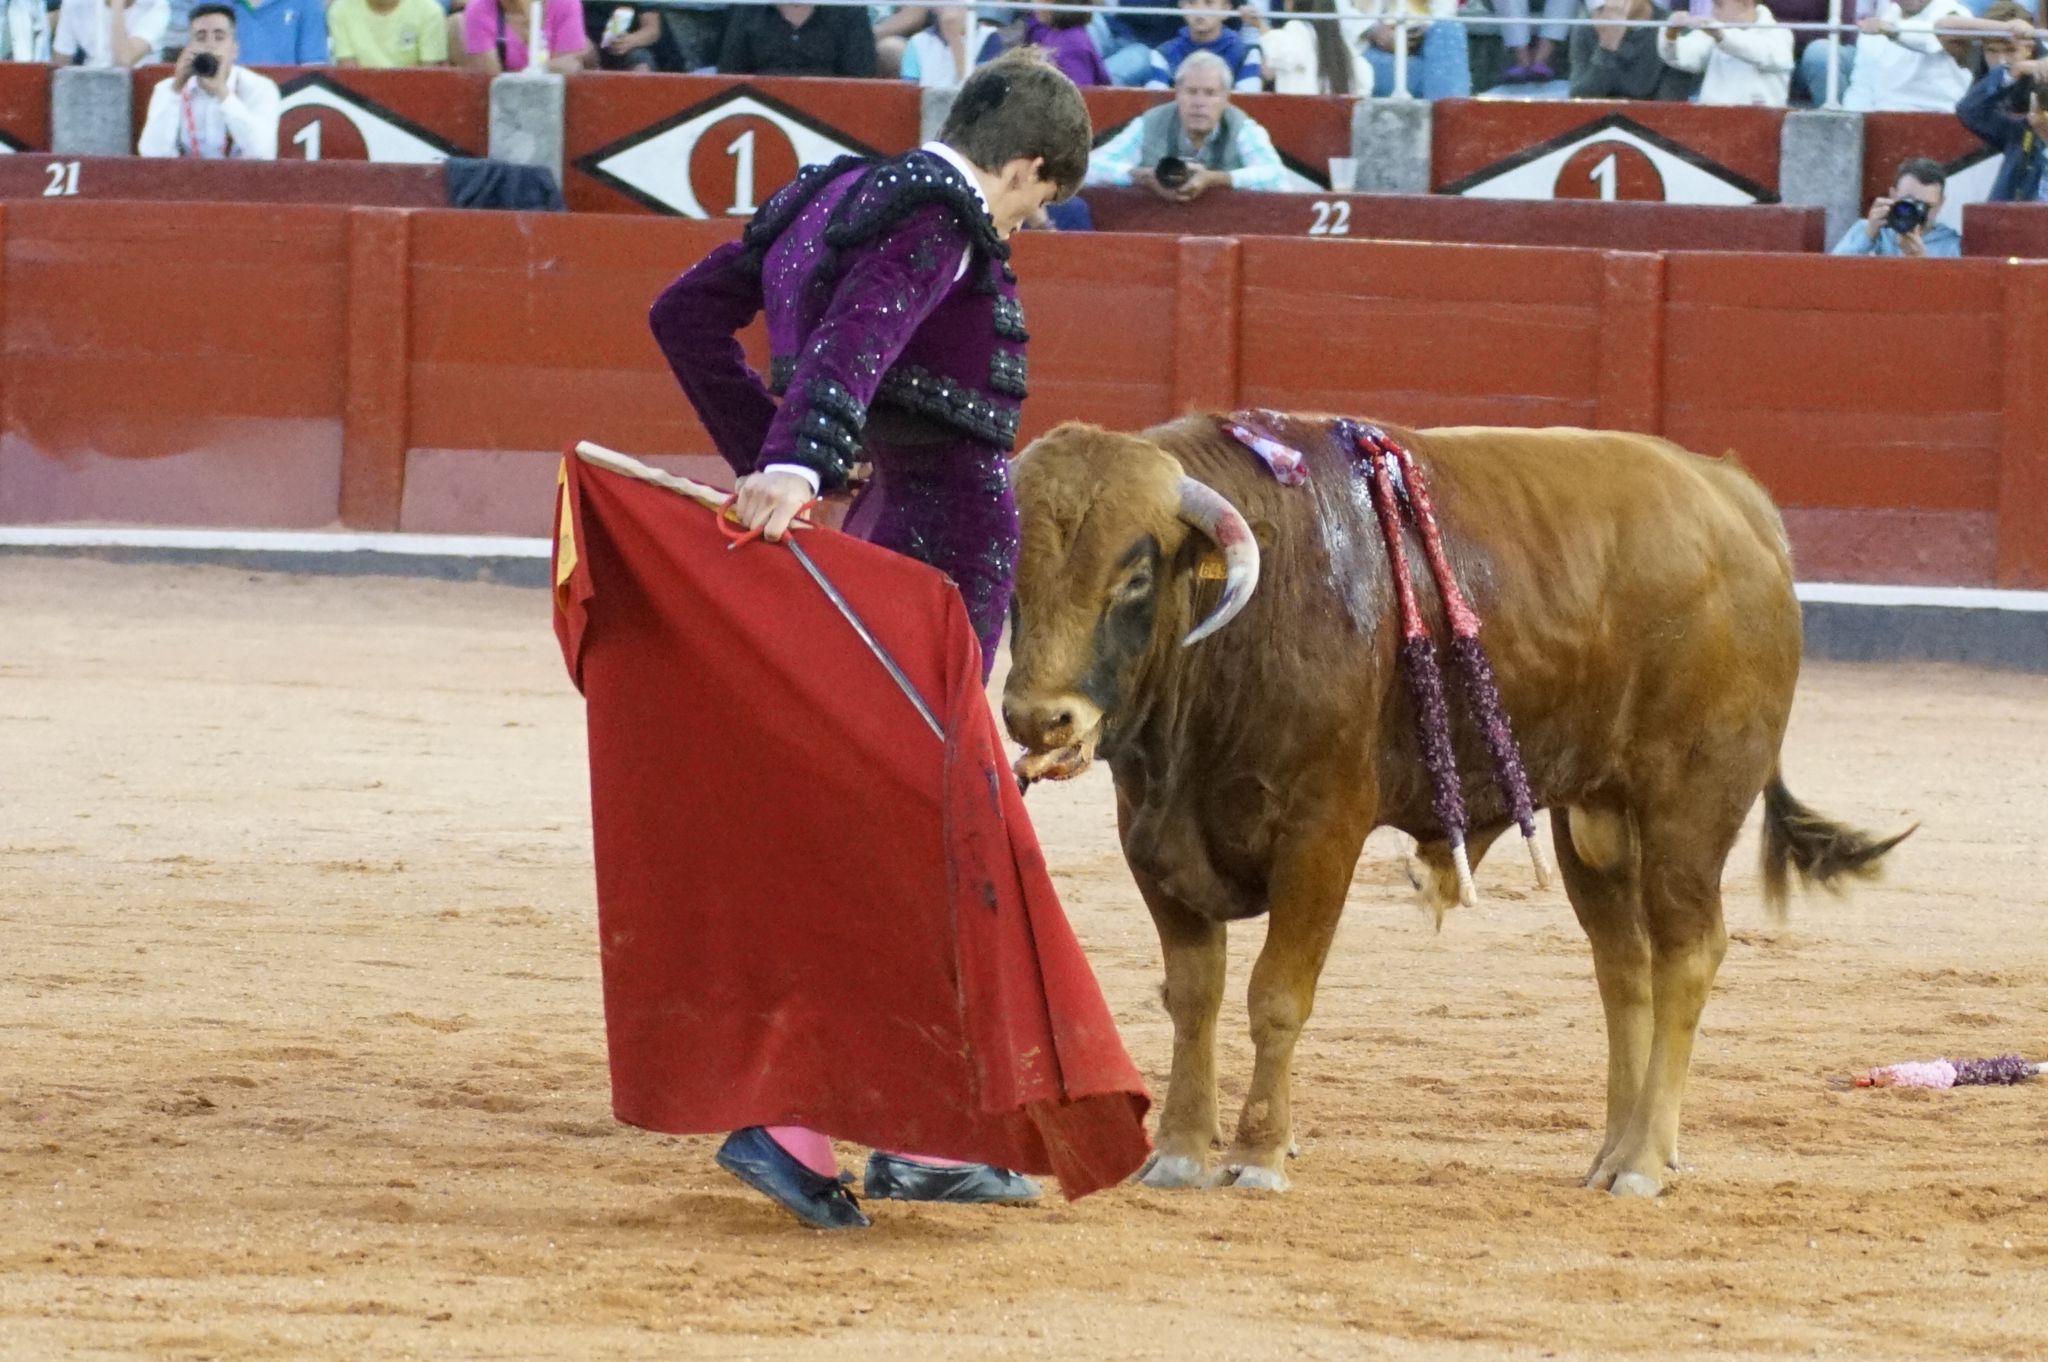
(305, 366)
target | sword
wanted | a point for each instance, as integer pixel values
(867, 636)
(719, 503)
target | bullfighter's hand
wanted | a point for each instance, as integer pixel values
(769, 501)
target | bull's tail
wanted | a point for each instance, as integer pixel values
(1824, 852)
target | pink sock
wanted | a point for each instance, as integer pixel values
(934, 1161)
(807, 1147)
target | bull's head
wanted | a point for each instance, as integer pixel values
(1115, 535)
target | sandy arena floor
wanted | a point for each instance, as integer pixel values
(303, 1050)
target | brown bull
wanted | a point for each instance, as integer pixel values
(1640, 617)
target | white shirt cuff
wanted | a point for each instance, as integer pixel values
(809, 475)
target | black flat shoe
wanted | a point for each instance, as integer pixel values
(892, 1177)
(755, 1159)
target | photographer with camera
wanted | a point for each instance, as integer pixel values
(2007, 110)
(1181, 151)
(212, 108)
(1903, 222)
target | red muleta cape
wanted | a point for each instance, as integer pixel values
(811, 912)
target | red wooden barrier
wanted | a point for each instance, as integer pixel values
(2006, 229)
(24, 105)
(718, 146)
(1889, 138)
(1818, 377)
(360, 183)
(1620, 225)
(291, 366)
(1681, 153)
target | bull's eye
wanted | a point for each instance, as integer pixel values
(1136, 587)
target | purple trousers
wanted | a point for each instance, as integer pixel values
(947, 503)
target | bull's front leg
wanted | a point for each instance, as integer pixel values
(1189, 1126)
(1311, 877)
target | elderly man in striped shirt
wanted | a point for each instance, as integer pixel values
(1197, 143)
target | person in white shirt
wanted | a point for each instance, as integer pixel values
(1740, 65)
(1901, 63)
(109, 32)
(25, 31)
(212, 108)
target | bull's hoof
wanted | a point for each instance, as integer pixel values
(1174, 1172)
(1635, 1184)
(1254, 1177)
(1623, 1177)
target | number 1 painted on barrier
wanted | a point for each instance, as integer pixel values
(309, 138)
(63, 180)
(1605, 175)
(742, 153)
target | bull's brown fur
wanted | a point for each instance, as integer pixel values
(1640, 617)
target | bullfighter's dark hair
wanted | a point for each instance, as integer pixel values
(1926, 171)
(1021, 107)
(226, 12)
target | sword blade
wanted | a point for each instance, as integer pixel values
(867, 636)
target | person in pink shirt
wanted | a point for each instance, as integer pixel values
(494, 34)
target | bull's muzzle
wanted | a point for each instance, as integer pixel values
(1059, 735)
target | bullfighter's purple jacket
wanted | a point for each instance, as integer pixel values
(858, 266)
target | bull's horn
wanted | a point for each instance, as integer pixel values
(1209, 511)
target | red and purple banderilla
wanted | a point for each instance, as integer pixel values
(1398, 487)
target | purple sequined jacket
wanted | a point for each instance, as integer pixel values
(857, 265)
(859, 268)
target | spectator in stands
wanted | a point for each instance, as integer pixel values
(1197, 143)
(1068, 40)
(2018, 44)
(894, 26)
(1919, 183)
(384, 34)
(625, 37)
(283, 32)
(109, 32)
(798, 40)
(211, 107)
(25, 31)
(2008, 111)
(1205, 32)
(1316, 56)
(1532, 61)
(494, 35)
(941, 56)
(1128, 40)
(1610, 61)
(1439, 66)
(1900, 62)
(1743, 54)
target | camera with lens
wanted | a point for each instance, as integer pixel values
(1172, 172)
(1906, 216)
(205, 65)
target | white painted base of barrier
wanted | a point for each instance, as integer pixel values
(328, 542)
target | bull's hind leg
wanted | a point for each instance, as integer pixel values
(1682, 856)
(1596, 855)
(1306, 898)
(1188, 1124)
